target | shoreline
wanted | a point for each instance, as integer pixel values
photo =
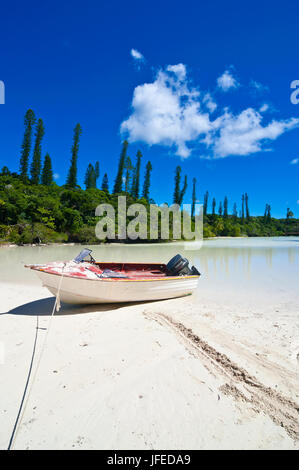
(171, 242)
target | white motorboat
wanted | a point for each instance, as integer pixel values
(90, 282)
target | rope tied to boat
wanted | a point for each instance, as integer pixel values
(25, 396)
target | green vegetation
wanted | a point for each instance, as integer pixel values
(48, 213)
(36, 209)
(32, 213)
(232, 226)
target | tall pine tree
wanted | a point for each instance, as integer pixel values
(213, 206)
(96, 172)
(136, 179)
(177, 185)
(235, 212)
(205, 203)
(105, 185)
(220, 210)
(128, 167)
(193, 197)
(225, 207)
(247, 207)
(183, 190)
(243, 208)
(36, 163)
(118, 184)
(267, 214)
(179, 193)
(147, 180)
(29, 121)
(90, 180)
(72, 176)
(47, 172)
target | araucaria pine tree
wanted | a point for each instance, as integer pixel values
(72, 176)
(183, 190)
(193, 197)
(178, 192)
(220, 210)
(177, 184)
(128, 168)
(90, 180)
(97, 170)
(267, 214)
(121, 166)
(105, 186)
(47, 172)
(96, 173)
(205, 203)
(213, 206)
(136, 179)
(247, 207)
(147, 181)
(29, 122)
(36, 163)
(242, 213)
(235, 212)
(225, 207)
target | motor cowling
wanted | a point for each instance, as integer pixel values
(179, 266)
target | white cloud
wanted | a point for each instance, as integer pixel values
(226, 81)
(56, 176)
(171, 113)
(166, 112)
(179, 70)
(264, 108)
(209, 102)
(259, 86)
(244, 133)
(136, 55)
(295, 161)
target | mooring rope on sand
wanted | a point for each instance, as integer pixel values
(25, 396)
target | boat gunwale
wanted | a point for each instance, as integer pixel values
(67, 275)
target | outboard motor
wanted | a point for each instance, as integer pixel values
(179, 266)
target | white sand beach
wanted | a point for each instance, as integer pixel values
(216, 370)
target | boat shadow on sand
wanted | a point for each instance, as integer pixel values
(44, 307)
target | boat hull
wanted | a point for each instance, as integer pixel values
(89, 291)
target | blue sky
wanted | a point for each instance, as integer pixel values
(72, 62)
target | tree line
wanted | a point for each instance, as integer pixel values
(127, 178)
(38, 172)
(32, 203)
